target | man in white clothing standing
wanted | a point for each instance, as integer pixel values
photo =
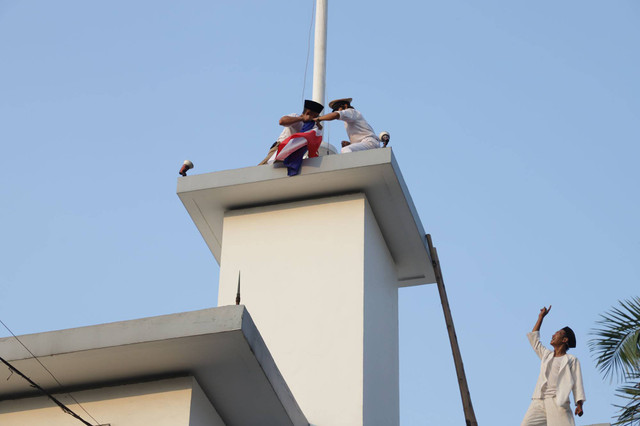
(361, 135)
(560, 374)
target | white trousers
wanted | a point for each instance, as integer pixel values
(366, 143)
(545, 412)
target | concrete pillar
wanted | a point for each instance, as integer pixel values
(321, 286)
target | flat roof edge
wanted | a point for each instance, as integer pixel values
(376, 173)
(120, 333)
(310, 166)
(165, 346)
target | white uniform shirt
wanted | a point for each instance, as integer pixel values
(569, 374)
(286, 132)
(357, 127)
(290, 130)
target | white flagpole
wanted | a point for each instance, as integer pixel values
(320, 52)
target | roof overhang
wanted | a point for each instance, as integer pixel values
(220, 347)
(207, 197)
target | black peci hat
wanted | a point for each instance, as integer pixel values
(568, 332)
(313, 106)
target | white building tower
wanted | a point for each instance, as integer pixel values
(321, 256)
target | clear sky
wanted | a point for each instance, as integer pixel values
(516, 125)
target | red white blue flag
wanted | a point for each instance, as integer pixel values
(292, 149)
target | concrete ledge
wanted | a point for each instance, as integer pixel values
(220, 347)
(374, 172)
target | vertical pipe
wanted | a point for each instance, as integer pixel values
(320, 52)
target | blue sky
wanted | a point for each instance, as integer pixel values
(515, 124)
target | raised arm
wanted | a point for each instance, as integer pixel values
(543, 313)
(288, 120)
(534, 335)
(328, 117)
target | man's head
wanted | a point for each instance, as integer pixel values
(312, 108)
(564, 336)
(340, 104)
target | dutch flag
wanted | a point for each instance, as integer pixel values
(292, 149)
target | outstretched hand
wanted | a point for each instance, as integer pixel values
(544, 311)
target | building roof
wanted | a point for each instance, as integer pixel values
(207, 197)
(220, 347)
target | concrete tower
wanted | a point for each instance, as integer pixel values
(322, 256)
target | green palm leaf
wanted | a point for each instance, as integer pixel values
(630, 413)
(617, 341)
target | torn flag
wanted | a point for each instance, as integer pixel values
(292, 149)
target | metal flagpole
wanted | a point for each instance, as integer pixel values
(469, 414)
(320, 52)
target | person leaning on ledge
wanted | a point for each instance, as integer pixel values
(293, 123)
(361, 134)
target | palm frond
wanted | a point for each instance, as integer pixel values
(629, 413)
(617, 341)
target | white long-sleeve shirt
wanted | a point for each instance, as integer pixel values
(569, 375)
(357, 127)
(291, 129)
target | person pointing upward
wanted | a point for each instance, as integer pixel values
(560, 375)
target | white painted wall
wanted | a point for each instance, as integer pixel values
(172, 402)
(305, 267)
(381, 348)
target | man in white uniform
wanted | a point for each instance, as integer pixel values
(293, 123)
(560, 374)
(361, 135)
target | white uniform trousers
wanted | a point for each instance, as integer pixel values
(545, 412)
(366, 143)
